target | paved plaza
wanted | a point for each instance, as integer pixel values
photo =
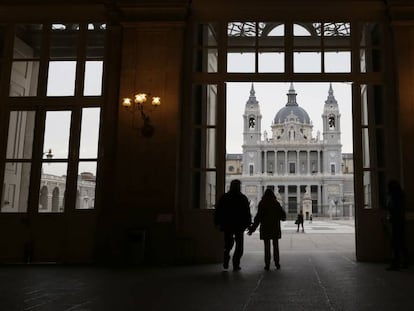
(319, 235)
(319, 272)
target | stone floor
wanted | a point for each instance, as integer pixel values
(319, 272)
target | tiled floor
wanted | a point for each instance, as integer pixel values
(319, 272)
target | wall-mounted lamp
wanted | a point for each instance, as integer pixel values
(138, 104)
(48, 154)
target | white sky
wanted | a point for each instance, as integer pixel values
(272, 97)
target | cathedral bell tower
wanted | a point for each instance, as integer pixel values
(332, 134)
(252, 121)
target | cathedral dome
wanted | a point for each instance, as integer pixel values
(299, 112)
(292, 108)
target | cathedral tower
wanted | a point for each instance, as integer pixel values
(332, 134)
(252, 122)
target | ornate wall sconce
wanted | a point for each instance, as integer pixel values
(137, 104)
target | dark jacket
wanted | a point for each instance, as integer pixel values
(233, 212)
(269, 214)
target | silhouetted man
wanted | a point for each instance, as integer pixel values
(232, 216)
(396, 216)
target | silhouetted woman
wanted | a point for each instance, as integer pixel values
(269, 215)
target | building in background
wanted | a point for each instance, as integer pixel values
(293, 162)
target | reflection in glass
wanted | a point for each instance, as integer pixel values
(206, 60)
(365, 148)
(364, 105)
(89, 133)
(27, 41)
(85, 189)
(207, 35)
(20, 134)
(52, 188)
(15, 187)
(24, 78)
(367, 189)
(93, 78)
(211, 104)
(210, 148)
(56, 136)
(61, 78)
(210, 190)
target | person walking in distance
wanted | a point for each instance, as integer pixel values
(269, 214)
(299, 221)
(232, 216)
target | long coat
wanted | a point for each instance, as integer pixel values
(233, 212)
(269, 215)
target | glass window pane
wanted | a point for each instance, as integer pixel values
(56, 136)
(307, 62)
(27, 41)
(61, 78)
(95, 41)
(64, 41)
(211, 105)
(24, 78)
(210, 189)
(367, 189)
(337, 61)
(206, 60)
(241, 61)
(337, 34)
(365, 148)
(20, 134)
(85, 193)
(307, 35)
(364, 105)
(206, 35)
(204, 195)
(242, 33)
(271, 34)
(93, 78)
(15, 188)
(89, 133)
(271, 62)
(52, 188)
(210, 148)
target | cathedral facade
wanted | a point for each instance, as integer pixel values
(305, 171)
